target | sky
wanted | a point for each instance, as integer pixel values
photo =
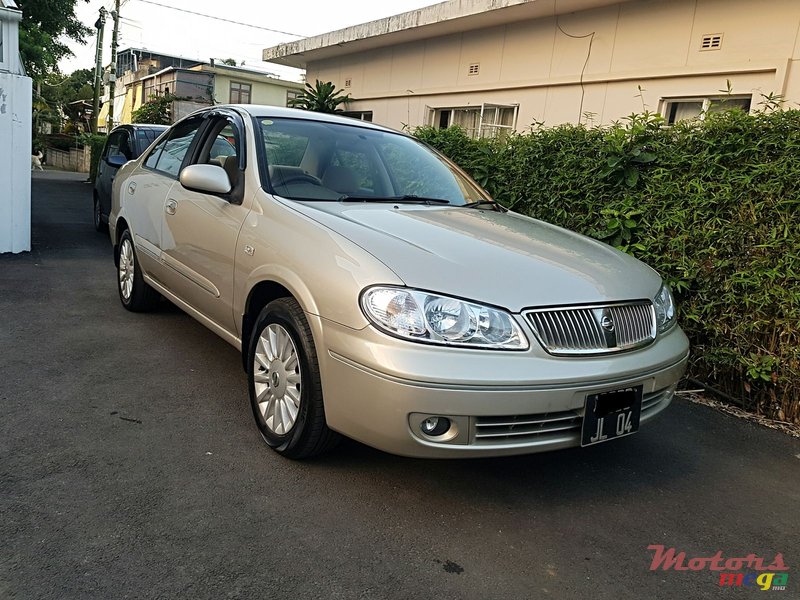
(144, 24)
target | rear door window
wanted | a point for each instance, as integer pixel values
(152, 159)
(172, 151)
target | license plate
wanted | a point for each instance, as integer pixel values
(610, 415)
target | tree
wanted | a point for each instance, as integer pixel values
(44, 24)
(231, 62)
(157, 110)
(321, 97)
(58, 93)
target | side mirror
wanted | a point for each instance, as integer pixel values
(210, 179)
(116, 160)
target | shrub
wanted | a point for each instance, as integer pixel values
(713, 206)
(157, 110)
(95, 141)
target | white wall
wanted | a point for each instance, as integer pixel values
(555, 78)
(15, 163)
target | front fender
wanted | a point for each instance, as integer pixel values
(322, 269)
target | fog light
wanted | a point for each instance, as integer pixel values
(434, 426)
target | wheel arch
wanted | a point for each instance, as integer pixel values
(262, 293)
(121, 227)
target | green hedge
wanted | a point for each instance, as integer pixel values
(96, 142)
(714, 206)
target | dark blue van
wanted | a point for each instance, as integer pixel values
(124, 143)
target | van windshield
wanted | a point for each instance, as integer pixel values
(315, 160)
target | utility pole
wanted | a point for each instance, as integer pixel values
(98, 69)
(112, 76)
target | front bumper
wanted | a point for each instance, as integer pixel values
(378, 389)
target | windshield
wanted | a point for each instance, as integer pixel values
(313, 160)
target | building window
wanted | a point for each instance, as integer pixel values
(292, 95)
(686, 109)
(240, 93)
(485, 120)
(363, 115)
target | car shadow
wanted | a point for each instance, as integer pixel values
(638, 462)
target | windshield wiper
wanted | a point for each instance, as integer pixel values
(404, 199)
(486, 204)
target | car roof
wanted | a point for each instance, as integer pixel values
(259, 110)
(135, 126)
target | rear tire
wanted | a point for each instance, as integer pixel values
(134, 293)
(99, 225)
(284, 383)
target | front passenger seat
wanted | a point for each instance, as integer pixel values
(231, 166)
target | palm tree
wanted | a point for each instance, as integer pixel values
(321, 97)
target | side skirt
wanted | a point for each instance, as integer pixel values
(195, 314)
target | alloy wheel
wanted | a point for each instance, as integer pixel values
(126, 269)
(277, 379)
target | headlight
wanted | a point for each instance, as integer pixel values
(426, 317)
(665, 308)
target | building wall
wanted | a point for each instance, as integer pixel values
(261, 92)
(15, 175)
(652, 45)
(197, 85)
(74, 159)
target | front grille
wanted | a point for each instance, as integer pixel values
(522, 428)
(602, 329)
(547, 427)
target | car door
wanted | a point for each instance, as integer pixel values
(146, 190)
(120, 145)
(105, 172)
(200, 230)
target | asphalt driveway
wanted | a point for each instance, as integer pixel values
(130, 468)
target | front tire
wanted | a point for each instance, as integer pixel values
(134, 293)
(284, 383)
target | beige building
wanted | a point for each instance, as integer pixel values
(496, 65)
(143, 74)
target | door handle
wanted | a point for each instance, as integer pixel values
(171, 206)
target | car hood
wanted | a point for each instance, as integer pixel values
(505, 259)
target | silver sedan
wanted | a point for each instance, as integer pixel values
(377, 292)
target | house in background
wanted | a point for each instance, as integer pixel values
(133, 66)
(239, 85)
(15, 136)
(142, 74)
(500, 65)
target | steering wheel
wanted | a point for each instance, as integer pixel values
(304, 178)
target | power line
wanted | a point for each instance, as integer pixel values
(191, 12)
(585, 63)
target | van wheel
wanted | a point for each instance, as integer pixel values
(99, 225)
(284, 383)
